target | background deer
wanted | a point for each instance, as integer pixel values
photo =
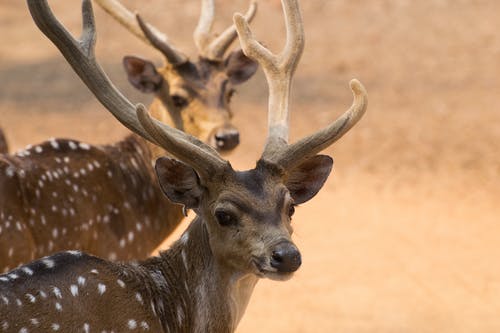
(105, 200)
(242, 232)
(192, 95)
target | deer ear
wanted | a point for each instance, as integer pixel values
(179, 182)
(142, 74)
(239, 67)
(305, 180)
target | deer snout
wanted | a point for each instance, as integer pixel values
(226, 138)
(286, 258)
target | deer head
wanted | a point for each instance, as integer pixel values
(243, 229)
(192, 95)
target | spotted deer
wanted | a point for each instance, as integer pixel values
(242, 231)
(105, 200)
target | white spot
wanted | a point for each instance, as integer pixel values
(55, 233)
(54, 144)
(74, 290)
(35, 321)
(5, 300)
(18, 302)
(84, 146)
(122, 243)
(58, 307)
(130, 236)
(5, 325)
(144, 325)
(57, 292)
(94, 271)
(10, 172)
(4, 279)
(31, 298)
(72, 145)
(23, 330)
(120, 283)
(101, 288)
(74, 253)
(86, 328)
(27, 270)
(38, 149)
(132, 324)
(43, 294)
(138, 297)
(49, 263)
(13, 276)
(55, 327)
(81, 281)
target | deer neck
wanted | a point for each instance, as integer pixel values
(208, 296)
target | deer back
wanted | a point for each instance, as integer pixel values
(65, 194)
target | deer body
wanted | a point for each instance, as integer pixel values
(65, 194)
(185, 289)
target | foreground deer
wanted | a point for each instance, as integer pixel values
(105, 200)
(242, 233)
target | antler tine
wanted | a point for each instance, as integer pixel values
(80, 55)
(279, 70)
(144, 31)
(311, 145)
(201, 33)
(209, 46)
(173, 56)
(220, 44)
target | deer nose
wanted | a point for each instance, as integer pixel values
(227, 138)
(286, 258)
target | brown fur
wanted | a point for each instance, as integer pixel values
(201, 284)
(64, 194)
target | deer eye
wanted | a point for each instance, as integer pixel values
(291, 210)
(225, 219)
(179, 101)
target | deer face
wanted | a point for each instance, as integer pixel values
(198, 93)
(248, 214)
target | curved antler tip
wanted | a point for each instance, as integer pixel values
(141, 110)
(238, 18)
(357, 87)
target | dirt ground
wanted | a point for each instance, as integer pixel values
(405, 235)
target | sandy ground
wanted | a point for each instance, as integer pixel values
(405, 235)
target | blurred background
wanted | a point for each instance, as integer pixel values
(405, 235)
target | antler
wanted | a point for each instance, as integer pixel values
(80, 55)
(145, 31)
(279, 70)
(209, 46)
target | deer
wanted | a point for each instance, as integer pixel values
(242, 232)
(67, 194)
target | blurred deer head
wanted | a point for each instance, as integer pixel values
(195, 95)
